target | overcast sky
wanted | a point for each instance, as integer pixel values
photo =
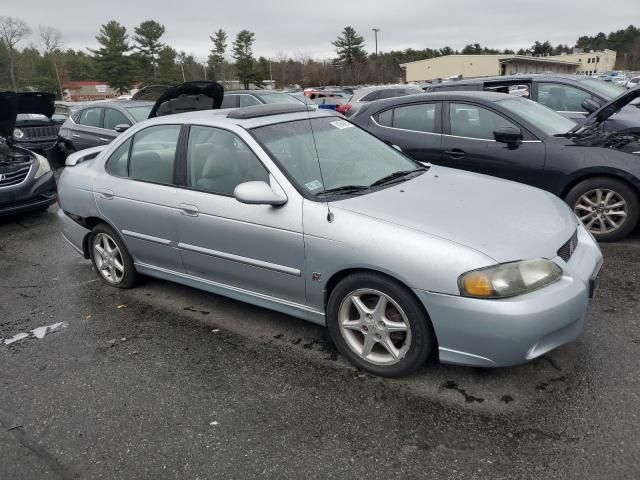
(294, 27)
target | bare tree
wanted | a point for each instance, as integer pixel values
(52, 42)
(12, 31)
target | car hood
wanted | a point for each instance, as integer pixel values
(12, 103)
(188, 97)
(504, 220)
(614, 106)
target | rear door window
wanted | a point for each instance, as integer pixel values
(153, 154)
(229, 101)
(420, 118)
(90, 117)
(248, 101)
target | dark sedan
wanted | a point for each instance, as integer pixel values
(596, 172)
(573, 96)
(99, 123)
(248, 98)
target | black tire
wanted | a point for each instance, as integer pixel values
(621, 189)
(129, 276)
(422, 337)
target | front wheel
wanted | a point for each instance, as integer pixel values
(607, 207)
(379, 325)
(111, 258)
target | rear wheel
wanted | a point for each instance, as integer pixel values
(607, 207)
(379, 325)
(111, 258)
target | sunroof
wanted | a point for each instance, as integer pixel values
(266, 110)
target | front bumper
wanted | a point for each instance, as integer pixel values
(32, 194)
(511, 331)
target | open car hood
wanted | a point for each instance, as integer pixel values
(188, 97)
(150, 93)
(12, 103)
(614, 106)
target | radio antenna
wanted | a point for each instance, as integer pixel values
(315, 147)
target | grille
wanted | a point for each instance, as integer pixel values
(40, 132)
(566, 251)
(14, 178)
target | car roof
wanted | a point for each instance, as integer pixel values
(264, 115)
(118, 103)
(508, 78)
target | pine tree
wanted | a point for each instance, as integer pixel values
(351, 54)
(148, 46)
(113, 64)
(215, 62)
(243, 56)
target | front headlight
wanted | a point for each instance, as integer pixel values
(509, 279)
(17, 133)
(43, 166)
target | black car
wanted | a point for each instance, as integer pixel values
(596, 172)
(574, 96)
(35, 129)
(248, 98)
(99, 123)
(26, 180)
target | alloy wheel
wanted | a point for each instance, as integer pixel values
(374, 326)
(108, 258)
(602, 210)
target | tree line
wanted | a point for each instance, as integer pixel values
(39, 60)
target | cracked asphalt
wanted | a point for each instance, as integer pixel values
(167, 382)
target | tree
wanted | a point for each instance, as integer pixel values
(351, 54)
(167, 69)
(542, 49)
(243, 56)
(215, 62)
(148, 45)
(52, 42)
(113, 64)
(12, 31)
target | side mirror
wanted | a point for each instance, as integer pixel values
(121, 127)
(258, 193)
(510, 135)
(590, 105)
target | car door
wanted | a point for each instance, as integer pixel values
(110, 120)
(468, 143)
(258, 248)
(136, 193)
(564, 99)
(88, 130)
(415, 128)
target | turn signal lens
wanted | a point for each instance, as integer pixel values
(478, 284)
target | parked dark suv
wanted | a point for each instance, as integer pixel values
(99, 123)
(26, 180)
(34, 127)
(573, 96)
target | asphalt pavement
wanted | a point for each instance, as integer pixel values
(167, 382)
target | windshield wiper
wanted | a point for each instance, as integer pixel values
(397, 175)
(346, 189)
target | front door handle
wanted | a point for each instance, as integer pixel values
(106, 193)
(102, 139)
(75, 135)
(455, 153)
(189, 210)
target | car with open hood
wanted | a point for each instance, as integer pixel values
(26, 180)
(596, 171)
(99, 123)
(297, 210)
(34, 125)
(573, 96)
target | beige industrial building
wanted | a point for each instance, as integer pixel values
(469, 66)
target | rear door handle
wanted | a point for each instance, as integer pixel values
(455, 153)
(106, 193)
(189, 210)
(104, 139)
(75, 135)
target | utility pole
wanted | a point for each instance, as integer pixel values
(375, 31)
(204, 69)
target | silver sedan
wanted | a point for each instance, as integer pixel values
(302, 212)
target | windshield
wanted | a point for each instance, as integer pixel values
(140, 113)
(278, 98)
(348, 155)
(608, 90)
(541, 117)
